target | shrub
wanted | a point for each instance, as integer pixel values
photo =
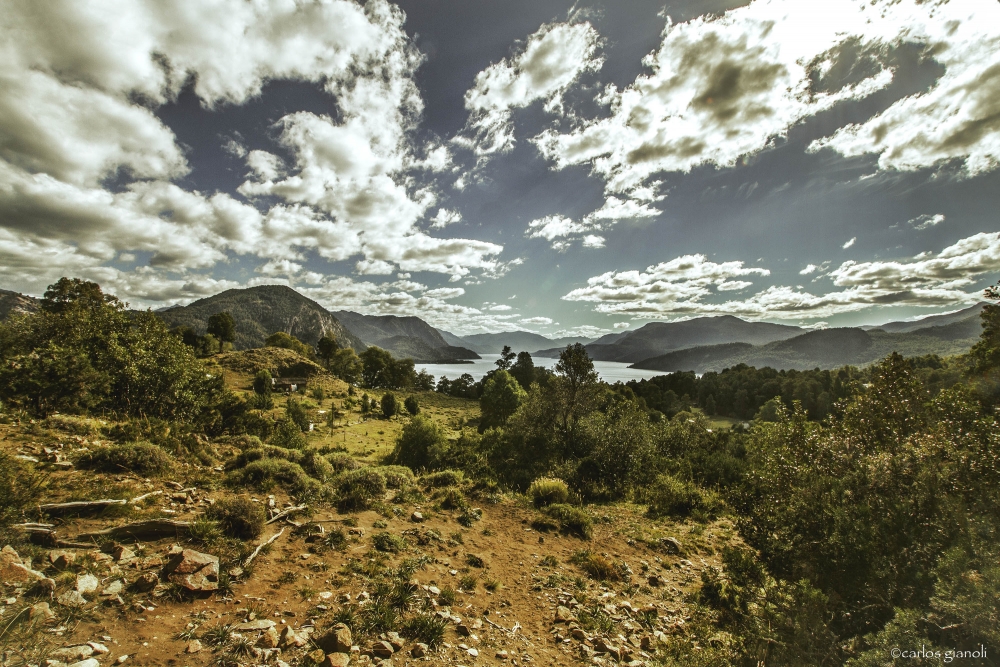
(238, 516)
(670, 496)
(419, 437)
(389, 405)
(267, 473)
(572, 520)
(336, 538)
(20, 487)
(204, 530)
(288, 435)
(411, 405)
(396, 477)
(443, 478)
(453, 499)
(548, 491)
(73, 424)
(297, 414)
(388, 542)
(360, 489)
(141, 458)
(342, 461)
(597, 566)
(317, 466)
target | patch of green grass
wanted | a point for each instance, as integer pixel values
(238, 517)
(388, 542)
(141, 458)
(548, 491)
(425, 628)
(447, 596)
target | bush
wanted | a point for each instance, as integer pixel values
(287, 434)
(317, 466)
(425, 628)
(297, 414)
(342, 461)
(389, 405)
(267, 473)
(573, 520)
(443, 478)
(20, 487)
(419, 437)
(73, 424)
(396, 477)
(597, 566)
(411, 405)
(388, 542)
(238, 517)
(141, 458)
(360, 489)
(670, 496)
(548, 491)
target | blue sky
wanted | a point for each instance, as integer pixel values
(565, 168)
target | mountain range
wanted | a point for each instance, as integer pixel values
(700, 344)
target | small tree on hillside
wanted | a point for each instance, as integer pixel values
(501, 397)
(411, 405)
(326, 348)
(390, 405)
(506, 359)
(223, 327)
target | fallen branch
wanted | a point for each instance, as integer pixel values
(288, 512)
(261, 546)
(42, 534)
(145, 530)
(139, 499)
(80, 506)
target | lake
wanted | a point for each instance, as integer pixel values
(610, 371)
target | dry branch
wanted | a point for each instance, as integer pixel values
(260, 547)
(80, 506)
(287, 512)
(145, 530)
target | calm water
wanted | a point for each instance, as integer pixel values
(610, 371)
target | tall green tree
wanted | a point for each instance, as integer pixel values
(501, 397)
(326, 348)
(523, 370)
(506, 359)
(222, 326)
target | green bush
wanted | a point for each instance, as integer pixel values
(573, 520)
(317, 466)
(389, 405)
(548, 491)
(420, 436)
(670, 496)
(20, 486)
(141, 458)
(359, 489)
(238, 516)
(388, 542)
(425, 628)
(267, 473)
(443, 478)
(287, 434)
(411, 405)
(342, 461)
(396, 477)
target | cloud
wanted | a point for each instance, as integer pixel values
(849, 243)
(593, 241)
(445, 217)
(622, 325)
(536, 320)
(922, 222)
(551, 61)
(668, 290)
(810, 268)
(614, 209)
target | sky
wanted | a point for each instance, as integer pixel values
(567, 168)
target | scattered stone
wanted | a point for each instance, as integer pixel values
(416, 517)
(473, 652)
(72, 653)
(419, 650)
(87, 583)
(99, 649)
(655, 580)
(249, 626)
(88, 662)
(383, 649)
(121, 659)
(146, 582)
(114, 588)
(671, 544)
(397, 642)
(463, 629)
(502, 655)
(578, 634)
(62, 558)
(269, 638)
(194, 570)
(193, 646)
(122, 553)
(336, 660)
(564, 615)
(317, 656)
(41, 610)
(72, 599)
(337, 640)
(15, 571)
(290, 638)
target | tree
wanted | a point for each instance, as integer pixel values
(424, 381)
(389, 405)
(376, 363)
(506, 359)
(297, 414)
(523, 370)
(576, 385)
(327, 347)
(223, 327)
(289, 342)
(262, 385)
(501, 397)
(411, 405)
(985, 354)
(420, 437)
(347, 365)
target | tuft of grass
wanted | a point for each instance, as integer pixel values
(436, 480)
(595, 565)
(572, 520)
(492, 585)
(388, 543)
(238, 517)
(287, 577)
(547, 491)
(336, 539)
(447, 596)
(141, 458)
(549, 561)
(472, 560)
(204, 531)
(359, 489)
(425, 628)
(219, 635)
(468, 582)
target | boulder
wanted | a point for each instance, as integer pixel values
(269, 638)
(87, 583)
(193, 646)
(13, 570)
(337, 640)
(419, 650)
(671, 545)
(564, 615)
(382, 649)
(336, 660)
(72, 653)
(72, 599)
(62, 558)
(416, 517)
(194, 571)
(146, 582)
(292, 639)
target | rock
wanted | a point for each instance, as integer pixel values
(578, 634)
(317, 656)
(72, 599)
(62, 558)
(502, 655)
(122, 553)
(72, 653)
(397, 642)
(463, 629)
(89, 662)
(564, 615)
(99, 649)
(473, 652)
(602, 645)
(336, 660)
(671, 545)
(646, 643)
(15, 571)
(146, 582)
(249, 626)
(419, 650)
(87, 583)
(336, 640)
(41, 611)
(655, 580)
(193, 646)
(383, 649)
(194, 571)
(121, 659)
(290, 638)
(269, 638)
(114, 588)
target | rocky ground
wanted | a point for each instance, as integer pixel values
(134, 581)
